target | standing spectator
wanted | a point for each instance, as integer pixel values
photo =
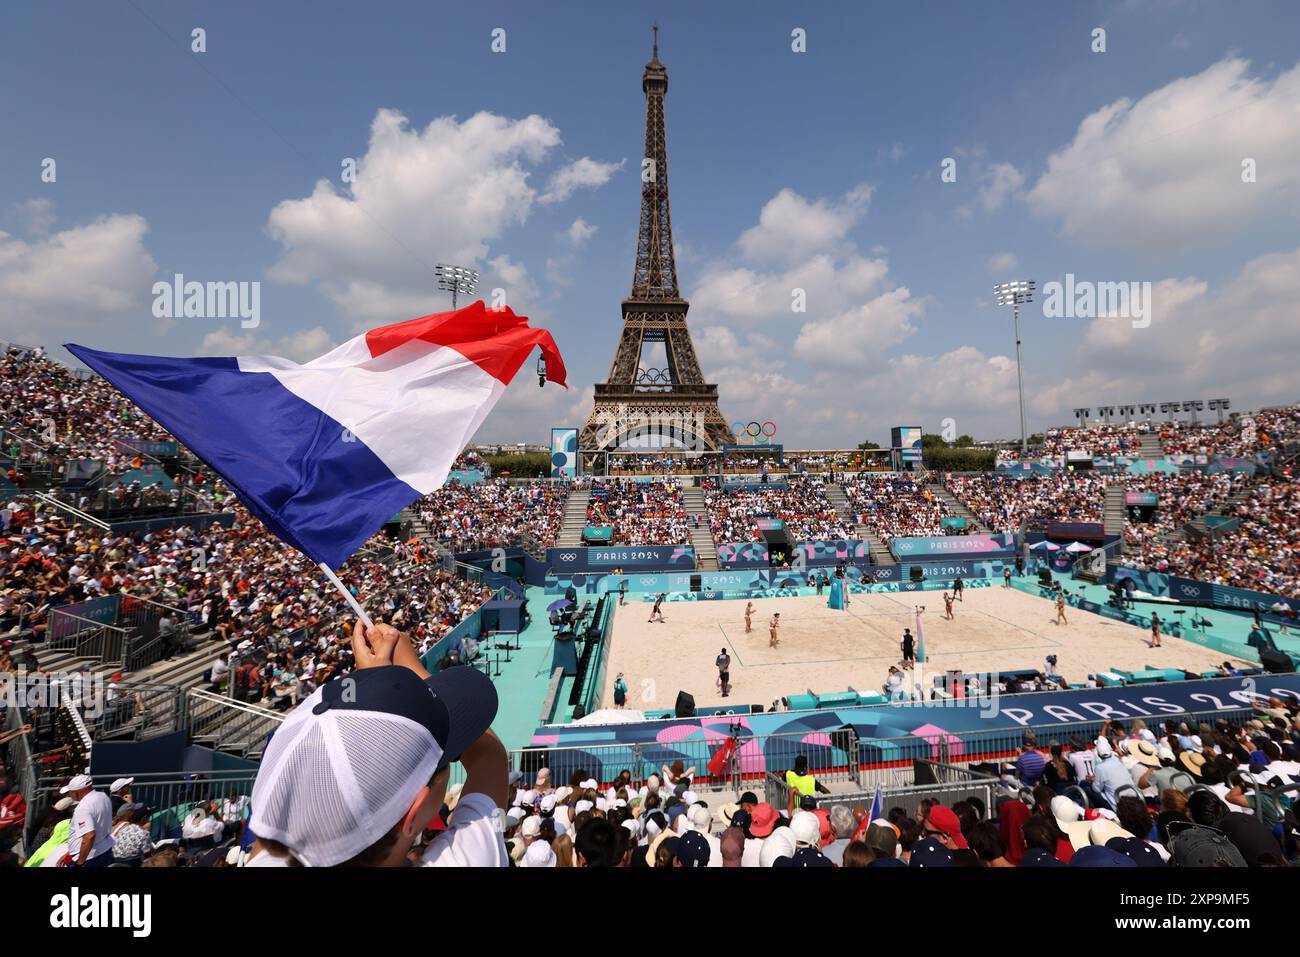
(90, 836)
(620, 691)
(723, 664)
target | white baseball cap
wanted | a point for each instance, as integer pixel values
(120, 784)
(79, 783)
(539, 854)
(806, 828)
(347, 763)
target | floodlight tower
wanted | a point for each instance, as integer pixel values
(456, 279)
(1014, 294)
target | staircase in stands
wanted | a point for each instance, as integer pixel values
(1149, 446)
(706, 549)
(574, 519)
(956, 507)
(1114, 513)
(880, 553)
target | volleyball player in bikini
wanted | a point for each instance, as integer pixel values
(749, 616)
(772, 626)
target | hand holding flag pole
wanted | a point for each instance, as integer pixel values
(350, 598)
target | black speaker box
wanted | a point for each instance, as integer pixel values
(1276, 663)
(685, 705)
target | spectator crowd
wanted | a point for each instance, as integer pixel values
(800, 503)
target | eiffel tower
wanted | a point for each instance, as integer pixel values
(655, 312)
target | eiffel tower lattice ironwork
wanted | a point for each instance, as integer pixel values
(655, 312)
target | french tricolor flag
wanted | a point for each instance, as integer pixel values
(326, 451)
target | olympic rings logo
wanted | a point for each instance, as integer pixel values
(754, 433)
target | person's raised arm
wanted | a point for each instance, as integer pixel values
(487, 769)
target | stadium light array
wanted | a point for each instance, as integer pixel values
(1193, 406)
(1106, 411)
(1015, 294)
(1082, 416)
(1220, 406)
(456, 279)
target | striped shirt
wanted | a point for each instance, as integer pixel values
(1030, 767)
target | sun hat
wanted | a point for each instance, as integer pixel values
(762, 820)
(1145, 753)
(1192, 762)
(1102, 831)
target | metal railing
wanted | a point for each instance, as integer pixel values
(833, 759)
(950, 783)
(76, 513)
(833, 756)
(147, 618)
(225, 795)
(138, 712)
(219, 722)
(22, 768)
(85, 638)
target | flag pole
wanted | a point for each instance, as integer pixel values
(350, 598)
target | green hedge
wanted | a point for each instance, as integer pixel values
(521, 464)
(960, 460)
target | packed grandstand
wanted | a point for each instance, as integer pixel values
(127, 562)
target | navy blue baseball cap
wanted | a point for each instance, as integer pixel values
(1097, 856)
(930, 853)
(1139, 851)
(692, 850)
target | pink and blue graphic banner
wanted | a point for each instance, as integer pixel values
(953, 546)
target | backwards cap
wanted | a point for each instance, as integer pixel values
(347, 763)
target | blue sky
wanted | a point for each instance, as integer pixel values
(816, 170)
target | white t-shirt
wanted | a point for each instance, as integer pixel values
(473, 839)
(750, 857)
(1082, 761)
(94, 812)
(265, 858)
